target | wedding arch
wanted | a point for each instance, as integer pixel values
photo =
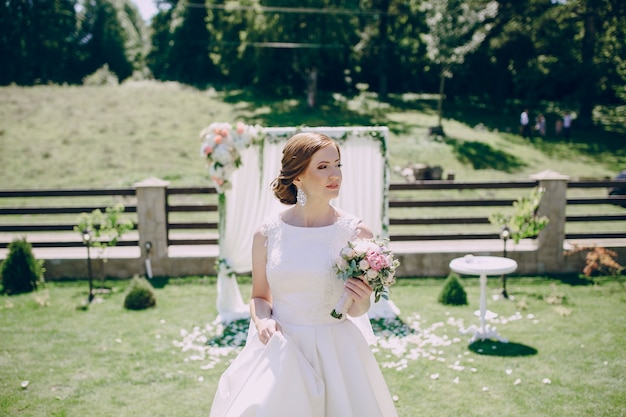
(243, 160)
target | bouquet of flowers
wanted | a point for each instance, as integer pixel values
(221, 146)
(369, 260)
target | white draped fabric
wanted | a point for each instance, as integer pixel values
(250, 201)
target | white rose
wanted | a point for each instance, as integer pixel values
(362, 247)
(347, 253)
(342, 264)
(364, 265)
(371, 274)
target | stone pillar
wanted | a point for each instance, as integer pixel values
(550, 257)
(152, 222)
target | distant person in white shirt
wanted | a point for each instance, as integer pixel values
(567, 124)
(524, 121)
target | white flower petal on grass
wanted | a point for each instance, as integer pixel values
(508, 371)
(434, 376)
(517, 381)
(398, 345)
(24, 384)
(395, 398)
(456, 380)
(547, 381)
(485, 389)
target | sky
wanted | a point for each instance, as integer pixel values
(146, 8)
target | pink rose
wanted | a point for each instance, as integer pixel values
(218, 139)
(377, 260)
(208, 150)
(240, 127)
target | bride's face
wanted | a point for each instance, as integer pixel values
(322, 178)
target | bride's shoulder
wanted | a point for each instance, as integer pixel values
(270, 223)
(347, 219)
(355, 225)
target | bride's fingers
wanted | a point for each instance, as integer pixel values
(359, 288)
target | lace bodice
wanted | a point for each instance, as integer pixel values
(300, 271)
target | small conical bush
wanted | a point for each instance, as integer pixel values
(140, 295)
(20, 272)
(453, 292)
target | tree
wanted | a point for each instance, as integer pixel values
(112, 32)
(180, 43)
(37, 39)
(455, 28)
(597, 18)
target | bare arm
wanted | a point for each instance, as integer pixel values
(261, 302)
(359, 290)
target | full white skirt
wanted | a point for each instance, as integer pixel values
(308, 371)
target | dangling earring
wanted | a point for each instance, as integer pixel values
(301, 197)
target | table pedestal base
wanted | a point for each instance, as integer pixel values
(485, 333)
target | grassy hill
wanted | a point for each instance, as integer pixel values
(72, 136)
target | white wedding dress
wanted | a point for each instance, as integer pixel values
(319, 366)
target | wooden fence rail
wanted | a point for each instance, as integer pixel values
(35, 213)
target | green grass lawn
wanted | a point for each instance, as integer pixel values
(566, 356)
(85, 136)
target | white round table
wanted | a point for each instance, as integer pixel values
(483, 266)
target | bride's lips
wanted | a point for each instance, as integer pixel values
(333, 186)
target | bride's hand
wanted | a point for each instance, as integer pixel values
(266, 329)
(357, 289)
(360, 292)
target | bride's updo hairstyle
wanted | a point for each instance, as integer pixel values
(297, 155)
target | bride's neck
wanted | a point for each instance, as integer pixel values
(312, 216)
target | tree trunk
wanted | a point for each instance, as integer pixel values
(588, 76)
(312, 87)
(383, 88)
(442, 81)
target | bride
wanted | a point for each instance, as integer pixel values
(299, 361)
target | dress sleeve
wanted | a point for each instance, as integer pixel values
(269, 224)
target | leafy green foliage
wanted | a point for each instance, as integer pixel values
(21, 272)
(453, 292)
(524, 222)
(140, 295)
(103, 229)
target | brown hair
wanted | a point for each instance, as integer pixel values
(297, 155)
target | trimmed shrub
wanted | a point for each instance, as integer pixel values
(453, 292)
(140, 295)
(20, 272)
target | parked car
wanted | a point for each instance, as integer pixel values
(619, 190)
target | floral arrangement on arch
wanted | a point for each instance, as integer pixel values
(221, 146)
